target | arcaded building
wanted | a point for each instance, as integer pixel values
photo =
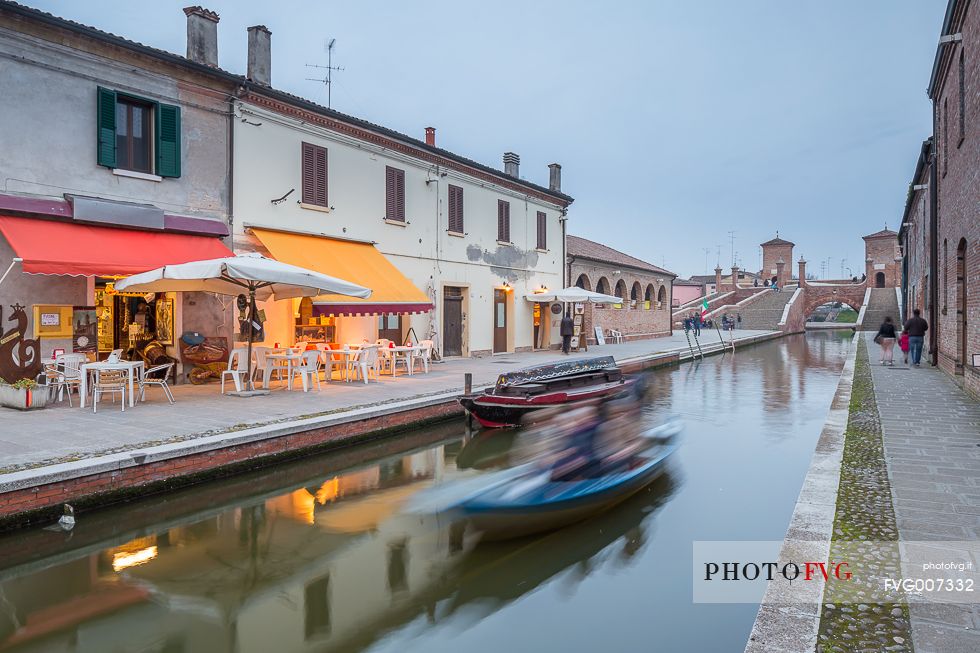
(645, 289)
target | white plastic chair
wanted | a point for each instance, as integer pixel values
(616, 336)
(237, 369)
(161, 381)
(260, 366)
(114, 356)
(366, 361)
(329, 361)
(423, 354)
(309, 369)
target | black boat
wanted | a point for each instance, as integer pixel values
(546, 386)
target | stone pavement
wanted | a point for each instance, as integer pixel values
(60, 434)
(931, 433)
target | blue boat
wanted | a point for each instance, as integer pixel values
(533, 503)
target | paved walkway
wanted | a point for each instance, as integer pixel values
(62, 434)
(931, 433)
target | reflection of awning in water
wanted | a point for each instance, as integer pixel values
(367, 513)
(52, 247)
(358, 262)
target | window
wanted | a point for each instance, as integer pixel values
(662, 297)
(137, 134)
(962, 100)
(394, 194)
(945, 128)
(503, 221)
(314, 175)
(455, 209)
(542, 230)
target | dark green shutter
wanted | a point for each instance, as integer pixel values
(106, 141)
(168, 140)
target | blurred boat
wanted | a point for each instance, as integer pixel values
(565, 383)
(532, 502)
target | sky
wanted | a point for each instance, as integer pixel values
(675, 122)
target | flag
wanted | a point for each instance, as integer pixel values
(704, 308)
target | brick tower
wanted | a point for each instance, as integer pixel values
(773, 251)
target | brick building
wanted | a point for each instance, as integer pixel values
(646, 290)
(913, 236)
(883, 259)
(774, 251)
(941, 234)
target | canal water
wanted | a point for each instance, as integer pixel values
(315, 555)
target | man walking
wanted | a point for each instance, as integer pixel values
(696, 321)
(566, 329)
(916, 327)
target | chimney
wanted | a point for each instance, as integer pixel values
(512, 164)
(430, 136)
(259, 55)
(202, 35)
(554, 178)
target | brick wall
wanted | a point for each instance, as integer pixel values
(958, 149)
(917, 249)
(635, 322)
(771, 255)
(884, 254)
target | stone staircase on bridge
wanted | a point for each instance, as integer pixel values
(882, 302)
(766, 311)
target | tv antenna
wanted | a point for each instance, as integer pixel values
(328, 80)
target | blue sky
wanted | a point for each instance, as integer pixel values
(674, 122)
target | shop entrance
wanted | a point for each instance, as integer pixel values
(499, 321)
(452, 321)
(541, 319)
(130, 320)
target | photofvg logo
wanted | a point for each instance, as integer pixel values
(802, 572)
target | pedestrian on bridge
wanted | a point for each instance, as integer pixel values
(916, 327)
(738, 319)
(886, 339)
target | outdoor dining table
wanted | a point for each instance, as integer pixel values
(289, 356)
(134, 370)
(407, 351)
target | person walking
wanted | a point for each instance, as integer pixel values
(886, 339)
(738, 320)
(696, 319)
(565, 330)
(903, 344)
(916, 327)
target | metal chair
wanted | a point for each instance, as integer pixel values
(112, 382)
(163, 372)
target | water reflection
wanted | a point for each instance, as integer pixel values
(315, 555)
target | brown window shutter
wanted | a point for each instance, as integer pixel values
(455, 209)
(314, 174)
(542, 230)
(309, 174)
(394, 194)
(503, 221)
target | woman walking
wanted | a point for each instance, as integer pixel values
(886, 338)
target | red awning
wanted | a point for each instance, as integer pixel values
(50, 247)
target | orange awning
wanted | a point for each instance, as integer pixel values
(357, 262)
(50, 247)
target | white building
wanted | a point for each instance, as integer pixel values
(358, 201)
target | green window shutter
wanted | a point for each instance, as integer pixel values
(168, 140)
(106, 117)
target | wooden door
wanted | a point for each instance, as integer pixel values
(390, 327)
(499, 321)
(452, 321)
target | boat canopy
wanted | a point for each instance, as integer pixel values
(555, 370)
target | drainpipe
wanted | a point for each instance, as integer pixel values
(566, 268)
(933, 257)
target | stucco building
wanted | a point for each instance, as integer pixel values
(115, 159)
(645, 290)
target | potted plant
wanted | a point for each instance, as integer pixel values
(24, 394)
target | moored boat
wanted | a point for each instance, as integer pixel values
(565, 383)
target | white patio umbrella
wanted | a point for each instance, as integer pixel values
(262, 278)
(574, 295)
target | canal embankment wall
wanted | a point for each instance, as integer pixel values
(790, 624)
(37, 495)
